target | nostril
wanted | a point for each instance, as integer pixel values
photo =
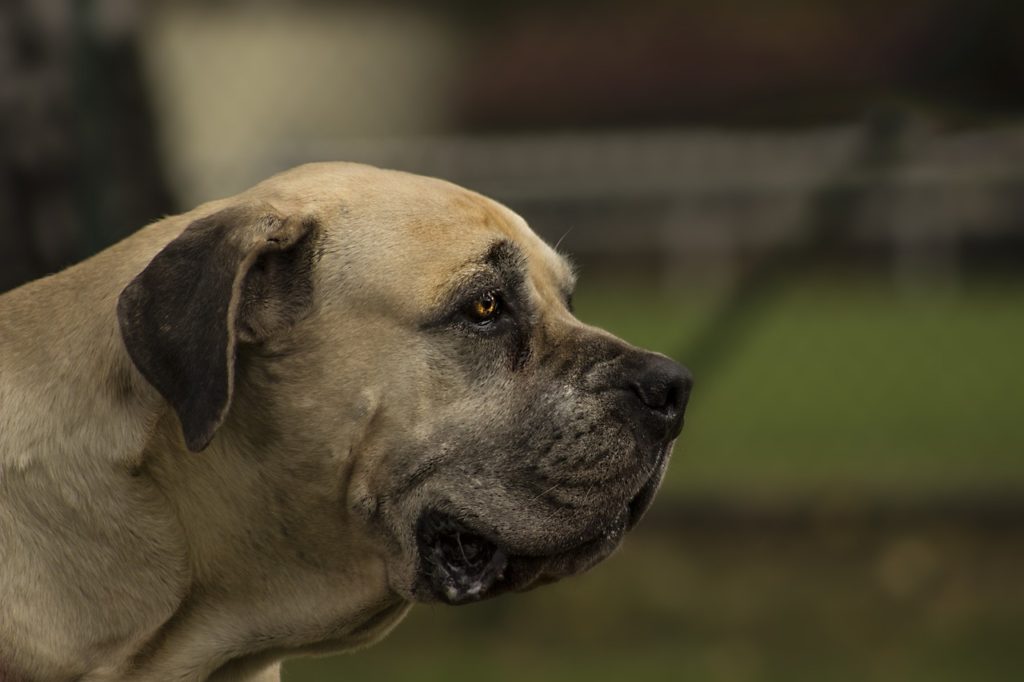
(676, 396)
(656, 396)
(664, 386)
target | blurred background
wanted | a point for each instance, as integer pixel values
(816, 205)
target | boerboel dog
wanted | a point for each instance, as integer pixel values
(269, 425)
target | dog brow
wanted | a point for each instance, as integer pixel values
(509, 260)
(505, 256)
(501, 258)
(505, 259)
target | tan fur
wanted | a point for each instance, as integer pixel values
(125, 557)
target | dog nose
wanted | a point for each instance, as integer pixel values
(663, 386)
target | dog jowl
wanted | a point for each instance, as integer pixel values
(269, 425)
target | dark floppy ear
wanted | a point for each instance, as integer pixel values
(239, 274)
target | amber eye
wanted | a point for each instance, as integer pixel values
(485, 308)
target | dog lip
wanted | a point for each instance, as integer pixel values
(459, 564)
(642, 500)
(488, 568)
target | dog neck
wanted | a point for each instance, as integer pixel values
(81, 538)
(89, 408)
(263, 518)
(182, 564)
(67, 418)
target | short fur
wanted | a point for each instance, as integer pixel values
(217, 436)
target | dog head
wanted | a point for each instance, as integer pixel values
(414, 344)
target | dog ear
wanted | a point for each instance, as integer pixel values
(240, 274)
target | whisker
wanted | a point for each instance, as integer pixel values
(559, 242)
(542, 494)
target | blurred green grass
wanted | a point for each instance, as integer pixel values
(841, 388)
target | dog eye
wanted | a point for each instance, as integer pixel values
(485, 308)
